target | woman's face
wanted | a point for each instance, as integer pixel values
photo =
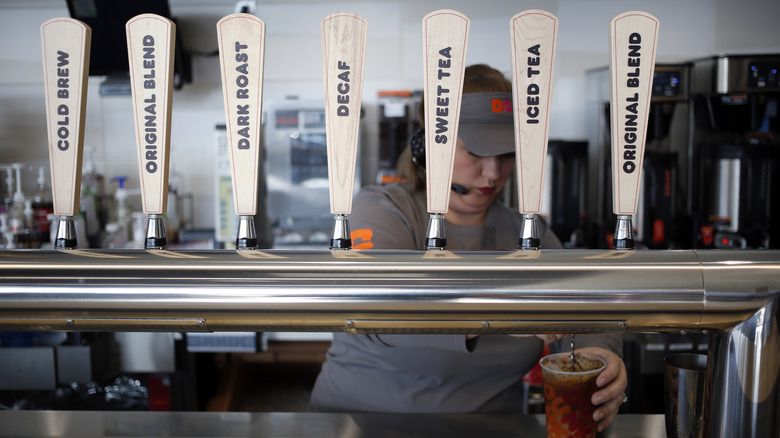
(483, 177)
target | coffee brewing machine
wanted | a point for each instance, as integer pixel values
(734, 186)
(660, 209)
(296, 168)
(398, 120)
(565, 188)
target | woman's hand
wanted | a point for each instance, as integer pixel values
(612, 383)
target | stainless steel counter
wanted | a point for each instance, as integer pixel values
(732, 295)
(93, 424)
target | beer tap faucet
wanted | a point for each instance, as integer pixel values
(624, 233)
(343, 53)
(534, 36)
(436, 237)
(150, 48)
(340, 238)
(633, 38)
(156, 237)
(66, 48)
(246, 237)
(241, 38)
(530, 236)
(445, 44)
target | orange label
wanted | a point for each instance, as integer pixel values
(361, 238)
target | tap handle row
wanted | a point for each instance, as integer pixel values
(151, 40)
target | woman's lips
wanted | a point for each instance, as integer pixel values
(486, 190)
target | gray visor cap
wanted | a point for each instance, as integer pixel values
(487, 124)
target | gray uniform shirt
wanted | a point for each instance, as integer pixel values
(440, 373)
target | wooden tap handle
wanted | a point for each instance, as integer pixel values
(241, 39)
(633, 37)
(66, 49)
(534, 36)
(343, 54)
(445, 42)
(150, 49)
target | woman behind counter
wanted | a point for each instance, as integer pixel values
(450, 373)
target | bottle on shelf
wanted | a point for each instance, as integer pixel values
(8, 196)
(173, 216)
(117, 231)
(29, 235)
(138, 230)
(120, 195)
(4, 230)
(42, 205)
(92, 203)
(16, 209)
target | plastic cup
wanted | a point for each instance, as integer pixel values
(567, 395)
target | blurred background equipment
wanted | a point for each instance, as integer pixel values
(297, 173)
(107, 20)
(734, 150)
(659, 206)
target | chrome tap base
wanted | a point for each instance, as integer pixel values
(341, 236)
(247, 236)
(155, 233)
(66, 233)
(624, 233)
(435, 238)
(530, 236)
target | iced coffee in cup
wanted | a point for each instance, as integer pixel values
(568, 388)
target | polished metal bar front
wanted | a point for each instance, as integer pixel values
(376, 291)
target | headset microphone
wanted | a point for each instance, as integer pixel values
(417, 143)
(459, 189)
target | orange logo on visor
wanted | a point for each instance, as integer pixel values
(501, 105)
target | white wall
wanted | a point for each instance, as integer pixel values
(689, 29)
